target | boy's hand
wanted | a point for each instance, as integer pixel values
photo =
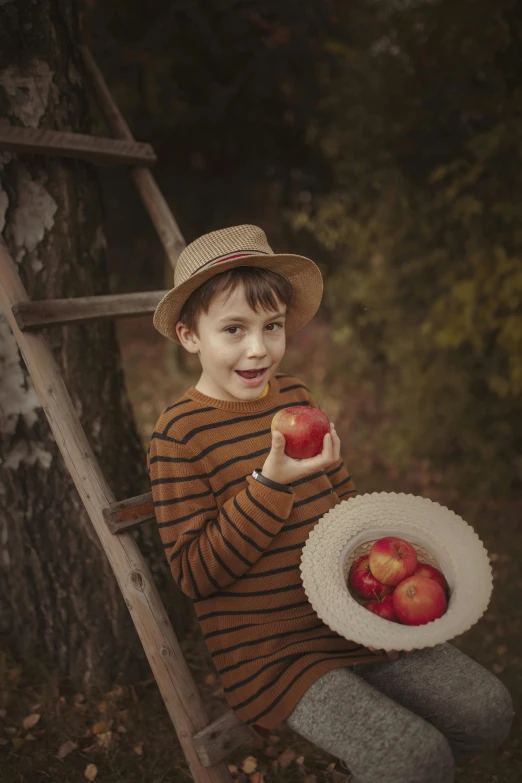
(283, 469)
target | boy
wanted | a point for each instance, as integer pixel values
(234, 512)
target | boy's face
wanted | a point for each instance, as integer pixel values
(233, 337)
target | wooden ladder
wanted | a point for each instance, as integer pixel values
(204, 745)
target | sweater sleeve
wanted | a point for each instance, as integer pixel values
(339, 475)
(207, 548)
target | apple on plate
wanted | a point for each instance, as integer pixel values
(304, 428)
(363, 582)
(425, 569)
(392, 559)
(383, 608)
(418, 600)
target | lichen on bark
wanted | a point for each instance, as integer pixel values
(58, 595)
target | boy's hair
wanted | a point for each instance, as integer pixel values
(260, 285)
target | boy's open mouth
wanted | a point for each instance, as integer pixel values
(251, 373)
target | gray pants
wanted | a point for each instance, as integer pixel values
(405, 721)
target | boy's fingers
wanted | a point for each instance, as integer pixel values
(319, 460)
(328, 447)
(278, 437)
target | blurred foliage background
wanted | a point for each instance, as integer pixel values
(381, 137)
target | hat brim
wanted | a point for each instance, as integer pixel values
(336, 540)
(304, 275)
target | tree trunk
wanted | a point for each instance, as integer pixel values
(58, 595)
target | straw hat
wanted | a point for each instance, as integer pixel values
(244, 245)
(442, 539)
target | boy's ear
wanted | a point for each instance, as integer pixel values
(187, 337)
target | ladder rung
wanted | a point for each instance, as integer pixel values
(48, 312)
(218, 739)
(97, 149)
(129, 513)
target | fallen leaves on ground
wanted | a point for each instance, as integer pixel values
(249, 764)
(31, 720)
(101, 727)
(104, 739)
(66, 748)
(91, 770)
(286, 757)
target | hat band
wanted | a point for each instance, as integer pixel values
(230, 257)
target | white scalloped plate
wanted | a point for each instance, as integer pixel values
(440, 537)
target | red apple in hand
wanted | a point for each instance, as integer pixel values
(363, 582)
(418, 600)
(304, 428)
(424, 569)
(392, 559)
(383, 608)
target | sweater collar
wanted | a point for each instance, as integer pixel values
(259, 404)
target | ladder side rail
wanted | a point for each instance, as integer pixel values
(153, 199)
(215, 742)
(177, 687)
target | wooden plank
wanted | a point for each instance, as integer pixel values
(96, 149)
(215, 742)
(129, 513)
(52, 312)
(177, 687)
(152, 197)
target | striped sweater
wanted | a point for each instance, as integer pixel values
(234, 547)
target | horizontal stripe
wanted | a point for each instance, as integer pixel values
(170, 544)
(182, 499)
(235, 629)
(273, 572)
(312, 498)
(252, 642)
(178, 520)
(230, 613)
(281, 549)
(274, 591)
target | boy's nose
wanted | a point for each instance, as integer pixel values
(257, 346)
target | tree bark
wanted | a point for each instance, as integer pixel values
(58, 595)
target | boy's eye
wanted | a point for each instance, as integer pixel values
(238, 327)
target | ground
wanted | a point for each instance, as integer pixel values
(51, 732)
